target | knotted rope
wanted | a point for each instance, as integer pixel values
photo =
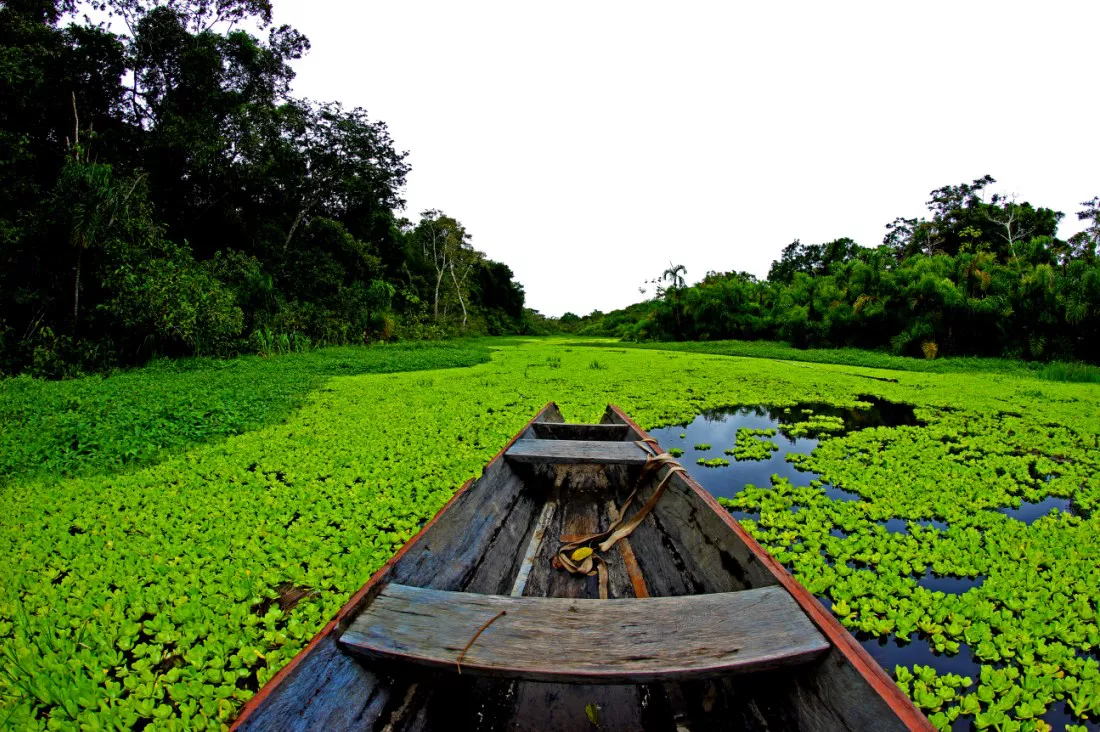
(578, 557)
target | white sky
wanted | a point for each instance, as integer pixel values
(588, 144)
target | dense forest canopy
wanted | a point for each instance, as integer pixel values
(161, 192)
(980, 275)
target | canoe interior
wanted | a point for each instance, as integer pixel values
(478, 544)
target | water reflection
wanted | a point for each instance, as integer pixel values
(1029, 513)
(839, 494)
(718, 428)
(947, 584)
(892, 652)
(895, 525)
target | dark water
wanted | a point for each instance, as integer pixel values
(1029, 513)
(901, 526)
(890, 652)
(895, 525)
(839, 494)
(718, 428)
(949, 585)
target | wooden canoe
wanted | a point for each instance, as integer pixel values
(702, 629)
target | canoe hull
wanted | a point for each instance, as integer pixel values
(690, 545)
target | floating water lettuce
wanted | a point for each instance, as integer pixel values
(813, 425)
(750, 446)
(160, 595)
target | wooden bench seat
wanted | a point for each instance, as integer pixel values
(576, 451)
(621, 641)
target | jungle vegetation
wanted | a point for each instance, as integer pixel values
(981, 275)
(163, 193)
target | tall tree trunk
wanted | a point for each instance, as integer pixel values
(294, 227)
(458, 291)
(76, 288)
(438, 281)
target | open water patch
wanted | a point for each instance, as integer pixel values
(839, 494)
(895, 525)
(890, 651)
(1029, 513)
(948, 584)
(716, 429)
(901, 526)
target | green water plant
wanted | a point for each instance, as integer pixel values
(752, 444)
(160, 593)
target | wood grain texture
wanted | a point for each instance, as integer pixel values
(325, 688)
(609, 641)
(534, 546)
(574, 431)
(342, 694)
(477, 544)
(845, 690)
(576, 451)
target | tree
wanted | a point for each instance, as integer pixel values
(674, 275)
(1084, 244)
(1019, 222)
(334, 151)
(196, 201)
(445, 245)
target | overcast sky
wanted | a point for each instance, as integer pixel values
(587, 145)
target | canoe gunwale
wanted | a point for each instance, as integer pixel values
(860, 662)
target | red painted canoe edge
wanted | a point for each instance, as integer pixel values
(352, 605)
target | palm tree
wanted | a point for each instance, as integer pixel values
(674, 275)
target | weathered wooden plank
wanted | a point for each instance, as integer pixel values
(329, 690)
(567, 708)
(534, 547)
(574, 431)
(549, 707)
(664, 571)
(708, 549)
(831, 694)
(608, 641)
(576, 451)
(448, 556)
(323, 687)
(580, 517)
(844, 690)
